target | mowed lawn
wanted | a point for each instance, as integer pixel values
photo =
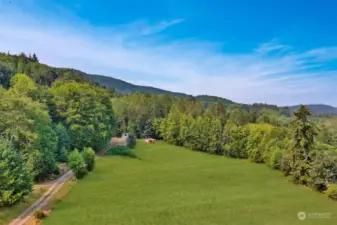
(173, 185)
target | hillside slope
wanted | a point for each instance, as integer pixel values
(45, 75)
(125, 87)
(318, 109)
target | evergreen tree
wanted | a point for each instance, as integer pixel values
(63, 143)
(43, 159)
(304, 133)
(148, 130)
(15, 178)
(34, 58)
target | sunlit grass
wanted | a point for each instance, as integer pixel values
(173, 185)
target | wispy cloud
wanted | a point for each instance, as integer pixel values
(271, 73)
(158, 27)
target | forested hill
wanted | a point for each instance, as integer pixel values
(125, 87)
(319, 109)
(46, 75)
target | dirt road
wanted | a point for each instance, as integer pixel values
(41, 203)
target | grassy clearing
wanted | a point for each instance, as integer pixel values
(170, 185)
(7, 214)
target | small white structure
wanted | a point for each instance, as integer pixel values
(125, 136)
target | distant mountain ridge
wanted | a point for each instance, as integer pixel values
(318, 109)
(125, 87)
(46, 75)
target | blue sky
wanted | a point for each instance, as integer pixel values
(277, 52)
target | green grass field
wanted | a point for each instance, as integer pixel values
(173, 185)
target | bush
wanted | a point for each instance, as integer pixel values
(332, 191)
(121, 151)
(255, 156)
(15, 179)
(323, 170)
(131, 140)
(237, 142)
(286, 164)
(89, 158)
(39, 214)
(276, 158)
(77, 164)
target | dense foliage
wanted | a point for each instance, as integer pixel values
(48, 112)
(77, 164)
(290, 146)
(89, 158)
(86, 111)
(15, 178)
(63, 144)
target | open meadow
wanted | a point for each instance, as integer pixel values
(169, 185)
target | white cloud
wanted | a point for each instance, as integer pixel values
(272, 73)
(158, 27)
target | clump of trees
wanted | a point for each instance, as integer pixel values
(82, 163)
(45, 115)
(15, 178)
(292, 147)
(77, 164)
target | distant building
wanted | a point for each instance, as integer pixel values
(125, 136)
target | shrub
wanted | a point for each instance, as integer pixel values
(77, 164)
(131, 140)
(237, 141)
(276, 158)
(323, 170)
(89, 158)
(39, 214)
(255, 155)
(121, 151)
(332, 191)
(15, 179)
(286, 164)
(299, 172)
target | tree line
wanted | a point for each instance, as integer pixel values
(303, 149)
(44, 126)
(51, 116)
